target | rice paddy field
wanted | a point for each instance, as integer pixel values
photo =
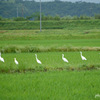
(50, 61)
(54, 85)
(54, 79)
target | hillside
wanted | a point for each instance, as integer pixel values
(27, 8)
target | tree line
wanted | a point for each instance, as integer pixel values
(49, 17)
(50, 10)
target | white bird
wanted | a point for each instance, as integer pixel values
(97, 95)
(16, 62)
(1, 59)
(83, 58)
(38, 61)
(64, 59)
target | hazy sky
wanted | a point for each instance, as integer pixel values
(94, 1)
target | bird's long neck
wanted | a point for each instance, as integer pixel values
(62, 56)
(36, 57)
(81, 54)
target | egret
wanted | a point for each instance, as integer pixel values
(1, 59)
(16, 62)
(64, 59)
(97, 95)
(38, 61)
(83, 58)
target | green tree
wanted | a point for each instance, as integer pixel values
(97, 16)
(18, 1)
(57, 17)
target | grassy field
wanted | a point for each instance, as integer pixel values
(54, 79)
(53, 43)
(49, 40)
(50, 34)
(62, 24)
(56, 85)
(50, 61)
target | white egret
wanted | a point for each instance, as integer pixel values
(97, 95)
(16, 62)
(83, 58)
(64, 59)
(1, 59)
(38, 61)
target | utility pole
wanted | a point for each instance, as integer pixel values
(40, 17)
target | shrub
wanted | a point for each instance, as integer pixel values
(0, 18)
(20, 19)
(97, 16)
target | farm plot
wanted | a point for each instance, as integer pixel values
(55, 85)
(50, 60)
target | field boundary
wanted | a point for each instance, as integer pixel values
(46, 69)
(15, 49)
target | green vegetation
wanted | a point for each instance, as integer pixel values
(62, 24)
(54, 79)
(27, 61)
(8, 9)
(20, 46)
(56, 85)
(75, 35)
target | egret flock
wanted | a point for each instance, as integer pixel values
(39, 62)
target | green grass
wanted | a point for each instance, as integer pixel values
(50, 61)
(76, 33)
(50, 34)
(54, 79)
(49, 40)
(57, 85)
(53, 43)
(68, 24)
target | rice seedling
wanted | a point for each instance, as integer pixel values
(50, 60)
(52, 85)
(54, 79)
